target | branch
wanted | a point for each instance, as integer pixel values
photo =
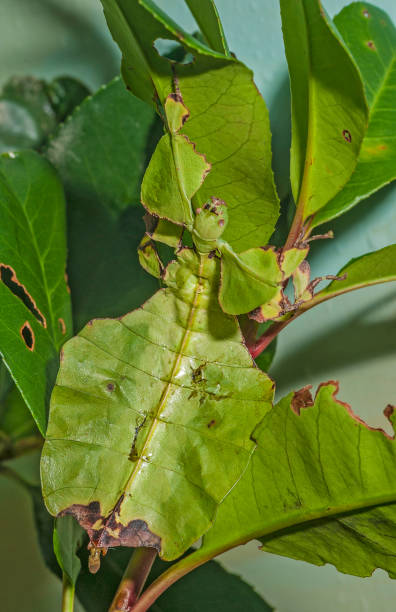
(133, 579)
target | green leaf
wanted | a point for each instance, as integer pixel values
(329, 112)
(68, 538)
(320, 487)
(371, 38)
(149, 258)
(228, 120)
(36, 315)
(31, 108)
(130, 462)
(206, 15)
(210, 588)
(370, 269)
(175, 172)
(101, 153)
(249, 279)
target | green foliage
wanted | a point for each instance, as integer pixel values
(30, 109)
(68, 538)
(162, 427)
(35, 305)
(209, 23)
(371, 38)
(210, 588)
(129, 382)
(228, 120)
(100, 154)
(370, 269)
(318, 486)
(329, 112)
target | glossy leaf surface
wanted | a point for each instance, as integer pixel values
(329, 111)
(129, 382)
(35, 304)
(101, 153)
(371, 37)
(319, 484)
(228, 121)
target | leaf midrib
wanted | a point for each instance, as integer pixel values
(164, 396)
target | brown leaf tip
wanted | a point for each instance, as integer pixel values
(301, 399)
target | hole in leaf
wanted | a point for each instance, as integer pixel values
(347, 135)
(9, 278)
(62, 326)
(366, 13)
(173, 51)
(27, 335)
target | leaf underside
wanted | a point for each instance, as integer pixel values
(320, 487)
(151, 446)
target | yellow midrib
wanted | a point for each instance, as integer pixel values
(163, 399)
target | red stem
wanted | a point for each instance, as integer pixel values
(133, 579)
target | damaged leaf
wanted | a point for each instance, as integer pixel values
(320, 483)
(329, 112)
(129, 435)
(371, 38)
(228, 120)
(35, 304)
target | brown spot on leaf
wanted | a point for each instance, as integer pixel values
(67, 283)
(27, 335)
(62, 326)
(366, 14)
(9, 278)
(110, 386)
(301, 399)
(211, 423)
(371, 45)
(135, 533)
(347, 135)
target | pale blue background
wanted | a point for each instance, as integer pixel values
(352, 338)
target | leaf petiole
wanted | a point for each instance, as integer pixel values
(133, 580)
(68, 590)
